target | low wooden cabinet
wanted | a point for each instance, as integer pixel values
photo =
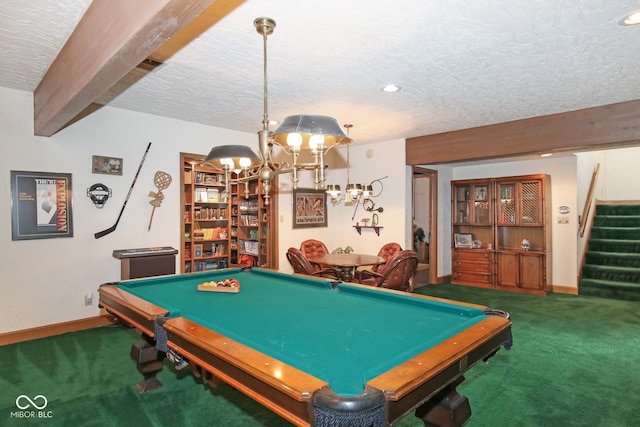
(521, 270)
(473, 266)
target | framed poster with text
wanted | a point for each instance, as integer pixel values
(309, 208)
(40, 205)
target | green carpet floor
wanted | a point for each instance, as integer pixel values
(573, 363)
(612, 260)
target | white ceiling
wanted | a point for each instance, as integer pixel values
(460, 63)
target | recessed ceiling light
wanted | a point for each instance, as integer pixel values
(391, 88)
(546, 155)
(631, 19)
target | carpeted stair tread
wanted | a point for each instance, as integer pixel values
(614, 245)
(616, 221)
(613, 273)
(609, 289)
(602, 283)
(623, 209)
(621, 259)
(624, 233)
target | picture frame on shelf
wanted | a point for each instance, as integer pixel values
(463, 240)
(106, 165)
(309, 208)
(481, 193)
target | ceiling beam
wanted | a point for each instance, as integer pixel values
(607, 126)
(111, 39)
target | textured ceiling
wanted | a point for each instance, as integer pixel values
(460, 63)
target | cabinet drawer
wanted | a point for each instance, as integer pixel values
(472, 266)
(466, 277)
(473, 255)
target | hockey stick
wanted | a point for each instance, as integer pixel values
(113, 227)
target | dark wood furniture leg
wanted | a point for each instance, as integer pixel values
(448, 408)
(149, 363)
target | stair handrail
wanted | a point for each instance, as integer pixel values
(589, 202)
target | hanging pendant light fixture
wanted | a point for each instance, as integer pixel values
(316, 133)
(352, 191)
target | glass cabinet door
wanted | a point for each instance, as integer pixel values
(481, 205)
(507, 203)
(462, 204)
(472, 204)
(530, 206)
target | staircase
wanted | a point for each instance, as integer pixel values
(612, 261)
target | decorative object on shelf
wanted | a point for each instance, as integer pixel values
(309, 208)
(162, 180)
(40, 205)
(317, 133)
(106, 165)
(477, 244)
(463, 240)
(99, 194)
(525, 245)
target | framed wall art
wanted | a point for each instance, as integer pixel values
(309, 208)
(41, 205)
(106, 165)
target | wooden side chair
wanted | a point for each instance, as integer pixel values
(302, 265)
(311, 248)
(397, 275)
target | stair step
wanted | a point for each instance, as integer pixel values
(609, 289)
(613, 259)
(614, 245)
(623, 209)
(626, 233)
(611, 273)
(616, 221)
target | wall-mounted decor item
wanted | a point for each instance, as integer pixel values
(106, 165)
(40, 205)
(309, 208)
(162, 180)
(111, 229)
(99, 194)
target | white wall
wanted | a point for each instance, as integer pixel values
(621, 176)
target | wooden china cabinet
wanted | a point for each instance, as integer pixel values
(502, 233)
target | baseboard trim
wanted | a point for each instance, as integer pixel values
(55, 329)
(562, 289)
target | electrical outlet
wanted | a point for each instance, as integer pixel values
(563, 220)
(88, 298)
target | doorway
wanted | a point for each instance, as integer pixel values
(424, 205)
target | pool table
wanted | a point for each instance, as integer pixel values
(315, 352)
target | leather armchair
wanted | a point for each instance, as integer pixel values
(311, 248)
(397, 275)
(302, 265)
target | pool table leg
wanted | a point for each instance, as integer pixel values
(448, 408)
(149, 362)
